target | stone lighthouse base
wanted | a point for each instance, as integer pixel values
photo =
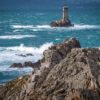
(64, 22)
(61, 23)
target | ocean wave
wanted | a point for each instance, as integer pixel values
(7, 74)
(57, 39)
(22, 26)
(47, 27)
(40, 14)
(32, 27)
(16, 36)
(16, 30)
(25, 49)
(6, 69)
(81, 27)
(9, 55)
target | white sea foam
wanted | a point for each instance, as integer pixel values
(82, 27)
(57, 39)
(43, 26)
(9, 55)
(22, 26)
(16, 30)
(32, 27)
(33, 50)
(47, 27)
(16, 36)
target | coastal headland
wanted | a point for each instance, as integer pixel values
(66, 72)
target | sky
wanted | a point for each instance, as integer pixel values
(31, 4)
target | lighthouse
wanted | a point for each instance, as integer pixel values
(64, 21)
(65, 13)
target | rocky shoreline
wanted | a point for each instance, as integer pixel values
(66, 72)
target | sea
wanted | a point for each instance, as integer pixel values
(26, 30)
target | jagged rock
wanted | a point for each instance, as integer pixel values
(58, 52)
(29, 63)
(66, 72)
(16, 65)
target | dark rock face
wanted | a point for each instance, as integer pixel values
(61, 23)
(16, 65)
(66, 72)
(26, 64)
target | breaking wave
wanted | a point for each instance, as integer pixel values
(47, 27)
(80, 27)
(16, 36)
(9, 55)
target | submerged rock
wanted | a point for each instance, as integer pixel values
(25, 55)
(66, 72)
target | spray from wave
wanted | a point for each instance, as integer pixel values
(9, 55)
(82, 27)
(47, 27)
(16, 36)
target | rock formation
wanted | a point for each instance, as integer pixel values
(26, 64)
(64, 22)
(66, 72)
(25, 55)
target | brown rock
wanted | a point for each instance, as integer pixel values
(66, 72)
(61, 23)
(58, 52)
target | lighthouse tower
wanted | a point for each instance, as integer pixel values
(64, 21)
(65, 13)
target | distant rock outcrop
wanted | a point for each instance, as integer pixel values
(61, 23)
(64, 22)
(66, 72)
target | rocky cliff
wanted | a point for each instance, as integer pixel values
(66, 72)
